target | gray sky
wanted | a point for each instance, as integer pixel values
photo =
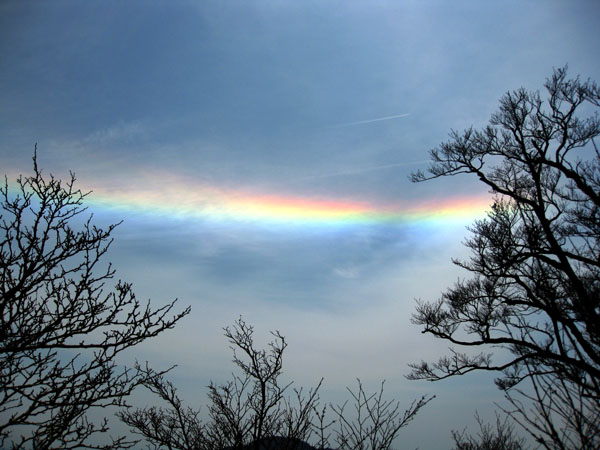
(258, 152)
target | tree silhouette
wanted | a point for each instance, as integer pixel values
(535, 289)
(375, 422)
(498, 437)
(254, 412)
(61, 328)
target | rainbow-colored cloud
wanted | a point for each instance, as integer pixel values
(186, 200)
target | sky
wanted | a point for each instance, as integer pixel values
(258, 153)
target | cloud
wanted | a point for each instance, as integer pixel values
(346, 272)
(119, 132)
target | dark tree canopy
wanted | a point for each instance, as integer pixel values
(535, 264)
(61, 326)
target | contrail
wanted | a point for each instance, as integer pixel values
(363, 170)
(360, 122)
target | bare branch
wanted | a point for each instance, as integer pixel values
(535, 264)
(61, 327)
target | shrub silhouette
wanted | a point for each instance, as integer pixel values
(254, 412)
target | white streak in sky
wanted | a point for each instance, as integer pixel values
(364, 169)
(360, 122)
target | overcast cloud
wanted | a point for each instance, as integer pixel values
(327, 101)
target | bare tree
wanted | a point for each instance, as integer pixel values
(499, 437)
(264, 400)
(247, 412)
(375, 422)
(174, 427)
(253, 411)
(61, 328)
(557, 413)
(535, 290)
